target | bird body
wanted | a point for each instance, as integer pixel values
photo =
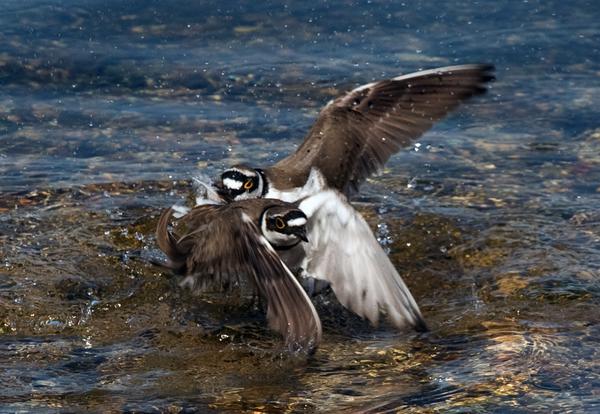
(218, 243)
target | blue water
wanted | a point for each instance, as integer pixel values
(106, 106)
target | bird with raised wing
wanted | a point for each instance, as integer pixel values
(356, 133)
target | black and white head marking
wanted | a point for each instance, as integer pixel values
(284, 227)
(242, 183)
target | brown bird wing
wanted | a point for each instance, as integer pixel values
(357, 133)
(220, 243)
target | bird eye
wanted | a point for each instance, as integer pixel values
(248, 184)
(279, 223)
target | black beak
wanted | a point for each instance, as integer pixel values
(301, 233)
(223, 193)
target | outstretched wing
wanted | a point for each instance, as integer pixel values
(357, 133)
(343, 250)
(221, 243)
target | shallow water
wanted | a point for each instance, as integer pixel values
(108, 108)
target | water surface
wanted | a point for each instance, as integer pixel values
(108, 108)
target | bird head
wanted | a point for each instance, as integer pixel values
(240, 183)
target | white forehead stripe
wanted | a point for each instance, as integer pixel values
(247, 173)
(229, 183)
(300, 221)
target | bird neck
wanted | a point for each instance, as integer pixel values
(286, 246)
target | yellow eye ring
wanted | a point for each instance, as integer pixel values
(248, 184)
(279, 223)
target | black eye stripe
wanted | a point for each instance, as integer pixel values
(287, 229)
(234, 175)
(294, 214)
(236, 193)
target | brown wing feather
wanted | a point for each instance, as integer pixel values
(168, 243)
(190, 244)
(289, 310)
(220, 243)
(364, 127)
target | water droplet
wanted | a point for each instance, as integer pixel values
(412, 184)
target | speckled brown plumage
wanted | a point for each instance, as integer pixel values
(217, 243)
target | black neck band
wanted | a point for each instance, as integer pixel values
(265, 189)
(283, 248)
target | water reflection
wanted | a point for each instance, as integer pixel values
(106, 111)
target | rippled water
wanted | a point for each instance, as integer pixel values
(107, 109)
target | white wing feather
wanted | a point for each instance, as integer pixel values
(343, 250)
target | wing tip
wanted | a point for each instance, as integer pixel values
(420, 325)
(289, 309)
(306, 346)
(299, 337)
(485, 71)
